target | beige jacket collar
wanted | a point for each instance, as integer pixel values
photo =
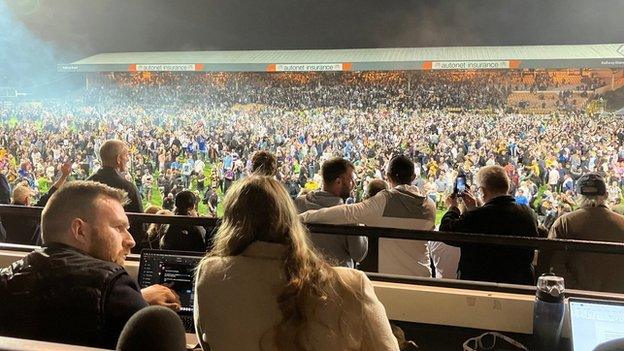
(265, 249)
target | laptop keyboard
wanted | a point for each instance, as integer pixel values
(189, 324)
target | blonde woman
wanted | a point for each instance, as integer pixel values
(156, 231)
(262, 287)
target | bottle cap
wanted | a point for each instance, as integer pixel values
(550, 288)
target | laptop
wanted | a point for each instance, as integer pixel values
(594, 322)
(177, 270)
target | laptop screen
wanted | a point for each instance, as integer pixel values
(595, 322)
(175, 269)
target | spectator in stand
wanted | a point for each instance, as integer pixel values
(375, 186)
(341, 250)
(401, 207)
(553, 179)
(5, 199)
(75, 289)
(185, 237)
(264, 163)
(5, 189)
(168, 202)
(279, 294)
(521, 199)
(148, 182)
(498, 215)
(114, 155)
(211, 199)
(26, 231)
(156, 231)
(618, 207)
(592, 221)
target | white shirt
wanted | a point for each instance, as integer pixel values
(553, 177)
(199, 166)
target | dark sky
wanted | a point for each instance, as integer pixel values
(85, 27)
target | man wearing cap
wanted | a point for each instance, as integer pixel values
(592, 221)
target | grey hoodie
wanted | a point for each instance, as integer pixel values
(401, 207)
(341, 250)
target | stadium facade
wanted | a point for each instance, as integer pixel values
(385, 59)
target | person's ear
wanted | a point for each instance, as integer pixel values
(338, 181)
(79, 230)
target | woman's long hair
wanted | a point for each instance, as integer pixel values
(258, 208)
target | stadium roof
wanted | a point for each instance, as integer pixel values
(474, 57)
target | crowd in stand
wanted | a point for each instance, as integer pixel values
(178, 125)
(366, 151)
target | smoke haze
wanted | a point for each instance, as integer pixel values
(35, 35)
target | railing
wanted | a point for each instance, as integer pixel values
(375, 233)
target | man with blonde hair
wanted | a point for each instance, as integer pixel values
(500, 215)
(26, 231)
(114, 155)
(75, 289)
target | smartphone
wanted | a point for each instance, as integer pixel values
(460, 185)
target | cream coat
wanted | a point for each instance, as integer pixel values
(236, 307)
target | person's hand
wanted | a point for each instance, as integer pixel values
(66, 169)
(469, 200)
(451, 201)
(161, 295)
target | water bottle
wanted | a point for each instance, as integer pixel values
(548, 313)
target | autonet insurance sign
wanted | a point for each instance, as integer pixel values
(184, 67)
(309, 67)
(442, 65)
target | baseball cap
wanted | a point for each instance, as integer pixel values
(591, 184)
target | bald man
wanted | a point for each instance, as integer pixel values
(114, 155)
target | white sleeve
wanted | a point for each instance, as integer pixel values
(364, 212)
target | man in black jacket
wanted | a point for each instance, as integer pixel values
(5, 199)
(114, 155)
(185, 237)
(5, 190)
(75, 289)
(498, 215)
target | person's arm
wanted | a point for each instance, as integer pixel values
(161, 295)
(124, 299)
(376, 333)
(454, 221)
(364, 212)
(451, 220)
(65, 171)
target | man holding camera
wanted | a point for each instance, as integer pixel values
(499, 215)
